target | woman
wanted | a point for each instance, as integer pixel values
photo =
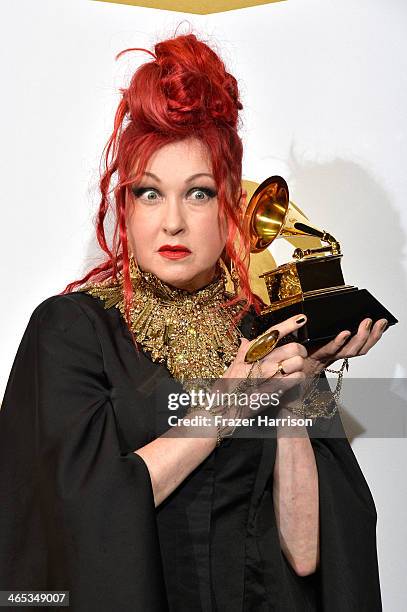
(100, 497)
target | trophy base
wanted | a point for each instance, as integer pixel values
(328, 314)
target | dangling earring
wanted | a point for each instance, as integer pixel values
(133, 268)
(233, 280)
(234, 276)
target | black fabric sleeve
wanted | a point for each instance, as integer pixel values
(76, 514)
(348, 574)
(347, 578)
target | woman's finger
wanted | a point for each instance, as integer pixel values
(374, 336)
(290, 325)
(267, 340)
(329, 350)
(289, 366)
(286, 351)
(344, 345)
(292, 364)
(355, 344)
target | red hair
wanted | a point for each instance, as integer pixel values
(184, 92)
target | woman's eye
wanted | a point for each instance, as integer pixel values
(202, 193)
(147, 192)
(199, 194)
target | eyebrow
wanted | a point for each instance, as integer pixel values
(188, 180)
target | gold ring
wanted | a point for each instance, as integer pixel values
(262, 346)
(280, 368)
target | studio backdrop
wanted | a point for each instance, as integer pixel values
(324, 89)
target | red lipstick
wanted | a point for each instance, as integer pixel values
(174, 251)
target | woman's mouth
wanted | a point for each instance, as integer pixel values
(177, 251)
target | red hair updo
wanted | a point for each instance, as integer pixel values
(184, 92)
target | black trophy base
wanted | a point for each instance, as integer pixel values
(328, 314)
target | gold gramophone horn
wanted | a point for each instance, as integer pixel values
(270, 214)
(266, 212)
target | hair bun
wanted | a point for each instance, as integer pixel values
(195, 84)
(186, 87)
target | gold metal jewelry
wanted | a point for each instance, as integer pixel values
(262, 345)
(133, 268)
(192, 332)
(233, 280)
(234, 276)
(280, 369)
(259, 370)
(318, 403)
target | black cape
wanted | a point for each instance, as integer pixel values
(76, 504)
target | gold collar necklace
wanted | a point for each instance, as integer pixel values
(190, 331)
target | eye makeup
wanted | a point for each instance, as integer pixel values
(139, 191)
(211, 193)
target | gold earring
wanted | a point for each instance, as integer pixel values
(133, 268)
(234, 276)
(233, 280)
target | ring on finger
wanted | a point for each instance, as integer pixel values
(280, 369)
(262, 346)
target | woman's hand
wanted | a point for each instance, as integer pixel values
(339, 348)
(290, 356)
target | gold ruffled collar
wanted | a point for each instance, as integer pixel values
(188, 331)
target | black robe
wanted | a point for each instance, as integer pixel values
(76, 505)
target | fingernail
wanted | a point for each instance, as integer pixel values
(383, 325)
(300, 320)
(346, 336)
(368, 325)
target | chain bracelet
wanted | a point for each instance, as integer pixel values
(345, 365)
(317, 403)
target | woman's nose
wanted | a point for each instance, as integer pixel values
(173, 220)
